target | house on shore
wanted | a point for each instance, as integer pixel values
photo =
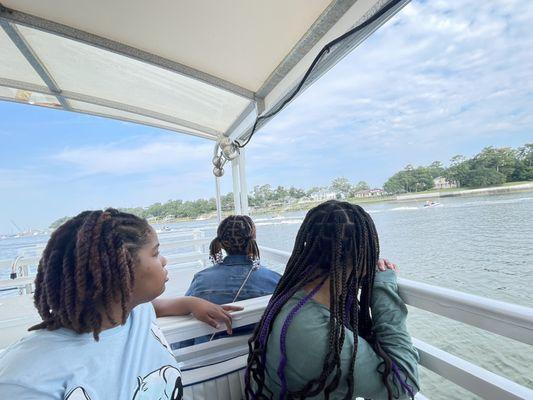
(370, 193)
(441, 182)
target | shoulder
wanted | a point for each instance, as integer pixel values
(310, 323)
(267, 272)
(143, 311)
(207, 271)
(31, 355)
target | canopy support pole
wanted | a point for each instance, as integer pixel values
(217, 199)
(236, 185)
(240, 187)
(242, 179)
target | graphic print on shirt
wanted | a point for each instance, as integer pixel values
(160, 337)
(162, 384)
(78, 393)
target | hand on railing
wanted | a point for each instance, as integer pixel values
(213, 314)
(384, 264)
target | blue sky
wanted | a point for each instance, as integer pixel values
(441, 78)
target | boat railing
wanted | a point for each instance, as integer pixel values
(505, 319)
(187, 249)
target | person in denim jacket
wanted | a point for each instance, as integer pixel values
(239, 275)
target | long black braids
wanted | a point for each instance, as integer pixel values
(333, 236)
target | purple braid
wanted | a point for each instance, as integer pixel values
(275, 304)
(403, 383)
(283, 338)
(271, 313)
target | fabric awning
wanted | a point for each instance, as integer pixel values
(202, 68)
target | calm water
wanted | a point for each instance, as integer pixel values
(479, 245)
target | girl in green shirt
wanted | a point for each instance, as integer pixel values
(334, 327)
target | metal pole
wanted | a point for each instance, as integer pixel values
(217, 199)
(236, 185)
(244, 187)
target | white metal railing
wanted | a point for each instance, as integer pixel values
(194, 239)
(505, 319)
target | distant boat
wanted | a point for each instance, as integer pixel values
(431, 204)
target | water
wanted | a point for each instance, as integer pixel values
(480, 245)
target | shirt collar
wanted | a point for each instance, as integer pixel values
(237, 259)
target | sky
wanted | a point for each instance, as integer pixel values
(441, 78)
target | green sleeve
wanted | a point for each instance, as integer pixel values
(389, 314)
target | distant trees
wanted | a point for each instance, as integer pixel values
(524, 163)
(342, 187)
(491, 166)
(411, 180)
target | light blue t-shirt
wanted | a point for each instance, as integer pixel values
(130, 362)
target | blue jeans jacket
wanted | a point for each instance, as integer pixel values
(220, 283)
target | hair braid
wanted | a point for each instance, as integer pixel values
(236, 234)
(333, 236)
(87, 267)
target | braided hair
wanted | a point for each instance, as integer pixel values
(235, 235)
(333, 237)
(86, 268)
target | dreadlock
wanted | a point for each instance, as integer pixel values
(86, 267)
(236, 235)
(333, 237)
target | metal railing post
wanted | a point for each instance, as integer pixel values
(236, 185)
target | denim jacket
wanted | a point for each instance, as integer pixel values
(220, 283)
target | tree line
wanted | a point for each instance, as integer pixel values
(261, 196)
(491, 166)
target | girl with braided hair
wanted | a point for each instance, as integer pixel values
(335, 326)
(96, 291)
(238, 275)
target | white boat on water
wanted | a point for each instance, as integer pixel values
(432, 204)
(220, 78)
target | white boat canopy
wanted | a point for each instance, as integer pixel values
(205, 68)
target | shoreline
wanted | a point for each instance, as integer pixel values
(491, 191)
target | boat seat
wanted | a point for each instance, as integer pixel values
(220, 381)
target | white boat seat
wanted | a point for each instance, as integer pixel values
(220, 381)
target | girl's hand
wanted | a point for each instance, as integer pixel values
(384, 264)
(213, 314)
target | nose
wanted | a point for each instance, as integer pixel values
(164, 261)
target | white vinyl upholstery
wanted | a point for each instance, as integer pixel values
(221, 381)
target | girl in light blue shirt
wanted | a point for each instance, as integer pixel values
(96, 290)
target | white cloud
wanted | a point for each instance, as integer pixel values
(123, 159)
(438, 73)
